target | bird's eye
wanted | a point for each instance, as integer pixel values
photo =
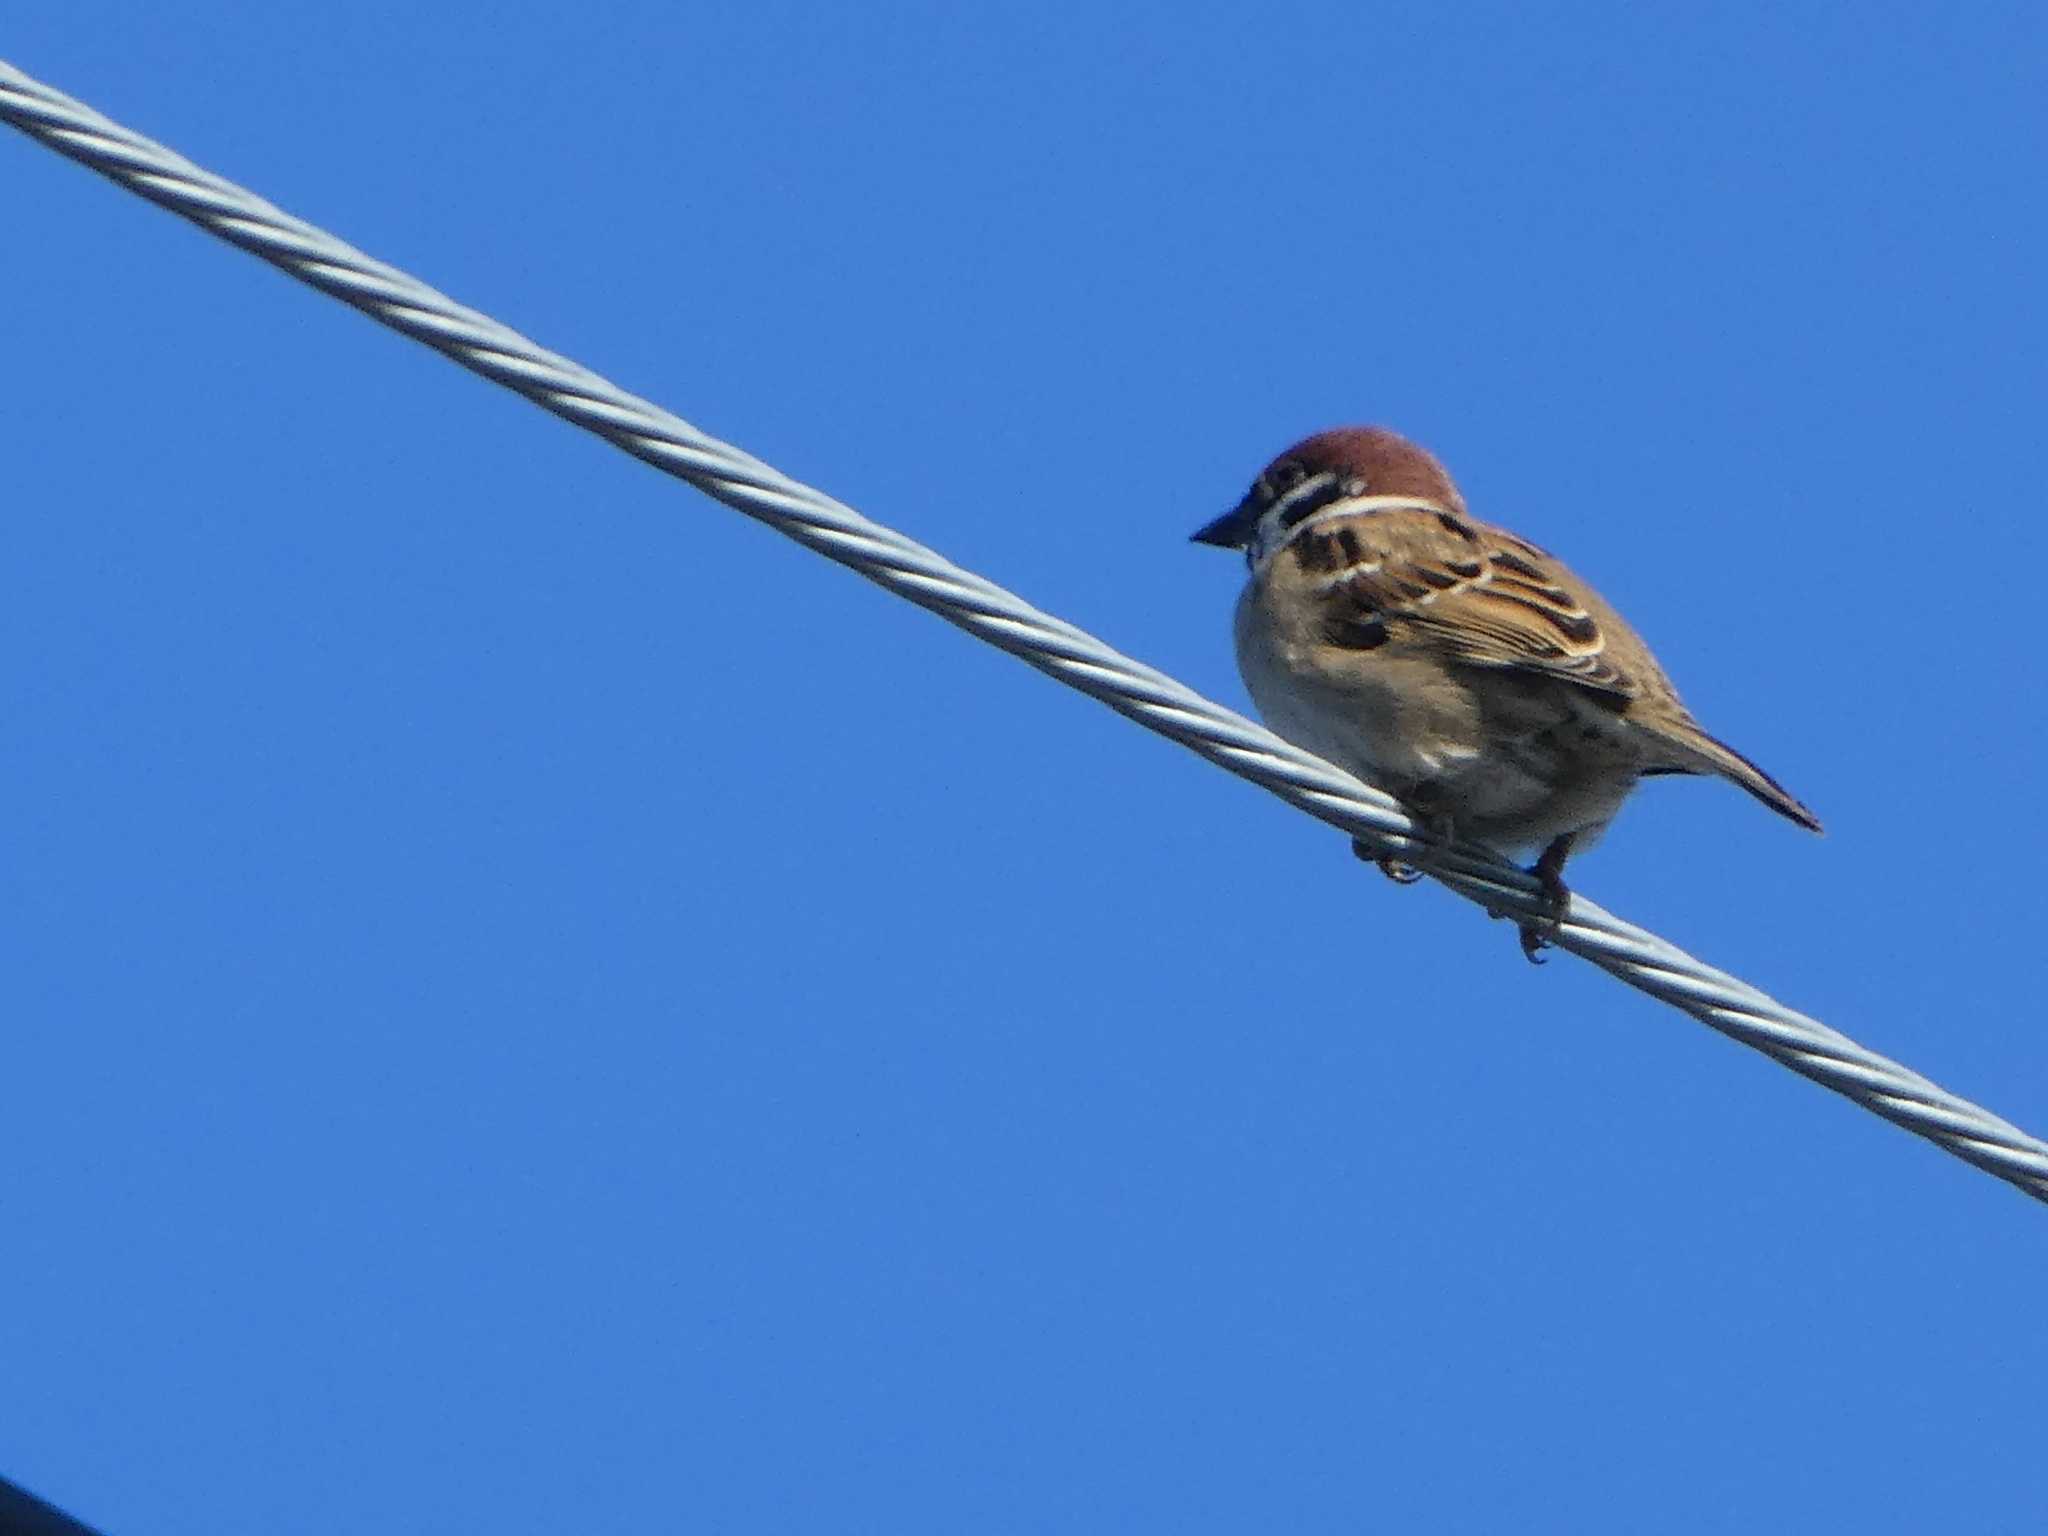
(1279, 479)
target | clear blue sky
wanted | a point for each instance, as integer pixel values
(533, 1004)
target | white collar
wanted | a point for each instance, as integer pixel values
(1350, 507)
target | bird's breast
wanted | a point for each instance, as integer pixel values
(1511, 759)
(1387, 714)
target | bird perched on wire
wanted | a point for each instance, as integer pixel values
(1462, 669)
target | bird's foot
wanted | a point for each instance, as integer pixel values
(1438, 833)
(1557, 899)
(1391, 867)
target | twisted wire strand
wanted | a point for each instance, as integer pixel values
(990, 613)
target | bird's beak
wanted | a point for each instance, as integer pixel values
(1233, 530)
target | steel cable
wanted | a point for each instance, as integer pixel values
(990, 613)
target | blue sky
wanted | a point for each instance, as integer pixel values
(534, 1004)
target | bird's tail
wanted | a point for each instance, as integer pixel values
(1694, 751)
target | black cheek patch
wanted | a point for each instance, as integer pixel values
(1310, 553)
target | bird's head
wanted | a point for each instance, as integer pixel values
(1318, 473)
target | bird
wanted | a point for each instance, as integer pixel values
(1464, 670)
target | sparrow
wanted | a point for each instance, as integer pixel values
(1455, 665)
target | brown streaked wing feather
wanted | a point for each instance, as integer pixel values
(1483, 596)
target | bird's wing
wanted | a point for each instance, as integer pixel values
(1474, 594)
(1428, 578)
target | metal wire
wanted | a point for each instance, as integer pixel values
(986, 611)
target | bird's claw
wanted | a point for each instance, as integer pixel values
(1438, 833)
(1557, 900)
(1396, 871)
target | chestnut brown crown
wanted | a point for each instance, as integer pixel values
(1359, 461)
